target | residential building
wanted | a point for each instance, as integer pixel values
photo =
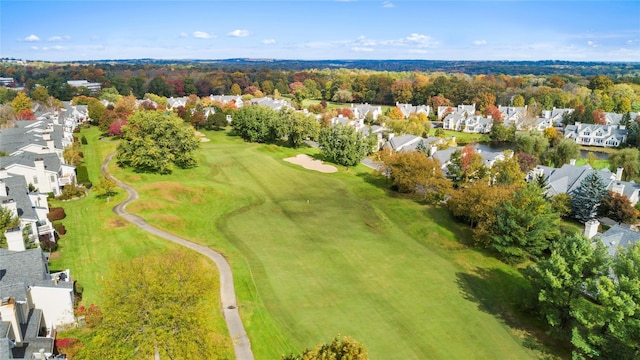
(43, 171)
(555, 115)
(596, 135)
(408, 109)
(94, 87)
(34, 303)
(5, 81)
(272, 104)
(615, 238)
(362, 110)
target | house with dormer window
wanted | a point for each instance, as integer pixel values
(596, 135)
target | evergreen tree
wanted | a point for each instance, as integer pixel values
(587, 198)
(421, 147)
(626, 120)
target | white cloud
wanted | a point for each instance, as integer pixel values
(480, 42)
(183, 34)
(239, 33)
(57, 47)
(417, 51)
(34, 48)
(202, 35)
(32, 38)
(388, 4)
(361, 49)
(592, 43)
(59, 38)
(415, 39)
(268, 41)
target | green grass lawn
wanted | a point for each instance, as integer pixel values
(466, 138)
(315, 255)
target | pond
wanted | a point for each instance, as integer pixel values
(510, 146)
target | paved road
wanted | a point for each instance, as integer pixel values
(241, 343)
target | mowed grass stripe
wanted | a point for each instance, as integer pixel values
(315, 255)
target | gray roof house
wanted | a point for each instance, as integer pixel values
(618, 236)
(512, 115)
(361, 111)
(596, 135)
(34, 303)
(567, 179)
(408, 109)
(272, 104)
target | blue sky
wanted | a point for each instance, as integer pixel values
(302, 29)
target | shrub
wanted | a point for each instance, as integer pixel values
(60, 229)
(83, 140)
(92, 314)
(77, 294)
(75, 139)
(68, 346)
(51, 195)
(71, 191)
(82, 174)
(48, 245)
(56, 213)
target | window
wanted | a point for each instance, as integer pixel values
(53, 179)
(35, 180)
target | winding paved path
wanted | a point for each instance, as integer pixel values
(241, 343)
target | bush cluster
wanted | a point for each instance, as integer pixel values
(56, 213)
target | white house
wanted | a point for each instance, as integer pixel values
(362, 110)
(94, 87)
(596, 135)
(408, 109)
(34, 303)
(44, 171)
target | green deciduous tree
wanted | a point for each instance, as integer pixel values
(629, 160)
(106, 188)
(343, 145)
(8, 220)
(559, 281)
(524, 225)
(564, 151)
(587, 198)
(299, 127)
(155, 141)
(257, 124)
(159, 87)
(157, 303)
(507, 171)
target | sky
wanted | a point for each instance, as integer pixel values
(321, 30)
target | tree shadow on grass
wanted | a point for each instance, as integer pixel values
(507, 296)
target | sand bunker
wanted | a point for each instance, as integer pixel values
(310, 163)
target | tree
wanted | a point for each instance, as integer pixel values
(343, 145)
(601, 82)
(106, 188)
(524, 225)
(414, 173)
(501, 133)
(629, 160)
(518, 101)
(566, 150)
(300, 127)
(342, 96)
(25, 115)
(41, 94)
(155, 141)
(507, 171)
(107, 118)
(257, 124)
(95, 109)
(340, 348)
(159, 87)
(8, 220)
(154, 304)
(110, 94)
(609, 326)
(72, 154)
(617, 207)
(559, 281)
(136, 83)
(587, 198)
(599, 117)
(21, 102)
(493, 112)
(466, 166)
(527, 162)
(402, 91)
(531, 143)
(561, 203)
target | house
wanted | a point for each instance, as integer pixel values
(43, 171)
(362, 110)
(408, 109)
(8, 82)
(616, 237)
(94, 87)
(460, 109)
(555, 115)
(34, 303)
(477, 124)
(567, 179)
(226, 99)
(357, 123)
(596, 135)
(173, 103)
(513, 115)
(30, 207)
(272, 104)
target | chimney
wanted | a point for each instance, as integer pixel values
(3, 188)
(572, 161)
(591, 228)
(619, 171)
(39, 164)
(51, 145)
(11, 205)
(15, 242)
(432, 150)
(617, 188)
(3, 173)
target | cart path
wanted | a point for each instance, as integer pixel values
(241, 344)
